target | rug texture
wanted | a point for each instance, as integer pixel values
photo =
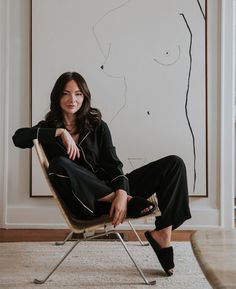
(95, 265)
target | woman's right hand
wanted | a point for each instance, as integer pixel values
(68, 141)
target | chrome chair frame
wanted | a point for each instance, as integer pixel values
(153, 199)
(70, 234)
(82, 226)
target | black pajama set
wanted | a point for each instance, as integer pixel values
(98, 172)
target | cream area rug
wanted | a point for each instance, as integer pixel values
(95, 265)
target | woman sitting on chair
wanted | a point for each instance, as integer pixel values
(87, 174)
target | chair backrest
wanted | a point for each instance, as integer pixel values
(77, 226)
(74, 224)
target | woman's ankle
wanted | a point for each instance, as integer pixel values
(163, 237)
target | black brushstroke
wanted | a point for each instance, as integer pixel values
(201, 10)
(107, 55)
(169, 64)
(186, 100)
(100, 19)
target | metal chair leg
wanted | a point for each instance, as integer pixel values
(37, 281)
(136, 234)
(42, 281)
(68, 237)
(136, 265)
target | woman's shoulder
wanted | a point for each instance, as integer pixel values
(100, 129)
(40, 124)
(102, 125)
(44, 124)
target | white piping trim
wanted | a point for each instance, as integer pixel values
(84, 138)
(58, 175)
(119, 177)
(86, 159)
(82, 203)
(72, 192)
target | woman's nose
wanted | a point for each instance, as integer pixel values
(73, 97)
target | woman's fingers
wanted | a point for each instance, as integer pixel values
(69, 150)
(115, 219)
(72, 151)
(118, 208)
(72, 155)
(76, 152)
(118, 218)
(114, 215)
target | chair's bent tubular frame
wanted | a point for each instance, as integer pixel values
(153, 199)
(153, 282)
(70, 234)
(81, 226)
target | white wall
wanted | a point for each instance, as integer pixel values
(3, 73)
(24, 212)
(21, 211)
(227, 112)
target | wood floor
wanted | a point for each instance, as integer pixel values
(37, 235)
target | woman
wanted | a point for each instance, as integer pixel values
(87, 174)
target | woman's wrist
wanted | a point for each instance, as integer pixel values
(120, 191)
(60, 131)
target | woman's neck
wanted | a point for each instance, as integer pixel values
(70, 125)
(69, 119)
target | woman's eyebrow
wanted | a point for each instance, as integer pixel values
(65, 90)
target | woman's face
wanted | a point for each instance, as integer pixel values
(72, 98)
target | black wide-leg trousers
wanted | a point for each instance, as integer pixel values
(80, 189)
(167, 178)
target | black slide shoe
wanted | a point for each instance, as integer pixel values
(136, 205)
(164, 255)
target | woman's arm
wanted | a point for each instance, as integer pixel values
(23, 137)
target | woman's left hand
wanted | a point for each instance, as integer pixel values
(119, 208)
(68, 141)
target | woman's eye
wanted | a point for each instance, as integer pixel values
(77, 94)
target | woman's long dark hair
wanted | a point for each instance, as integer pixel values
(86, 117)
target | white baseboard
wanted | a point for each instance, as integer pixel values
(51, 218)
